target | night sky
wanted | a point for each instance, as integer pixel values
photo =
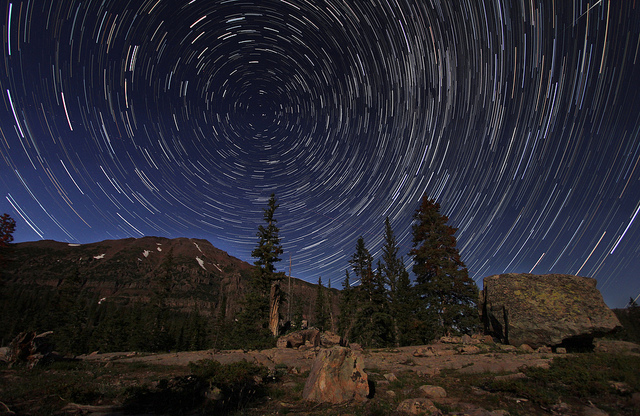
(179, 119)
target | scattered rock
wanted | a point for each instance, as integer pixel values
(356, 347)
(337, 376)
(433, 392)
(390, 377)
(31, 348)
(526, 348)
(561, 408)
(298, 339)
(466, 339)
(524, 308)
(561, 350)
(428, 371)
(329, 339)
(514, 376)
(418, 406)
(508, 348)
(544, 350)
(451, 340)
(424, 352)
(620, 387)
(469, 349)
(593, 411)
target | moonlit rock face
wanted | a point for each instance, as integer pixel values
(540, 310)
(180, 118)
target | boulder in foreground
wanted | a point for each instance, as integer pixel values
(337, 376)
(539, 310)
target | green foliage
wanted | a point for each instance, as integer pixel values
(266, 281)
(368, 317)
(362, 264)
(268, 251)
(321, 316)
(586, 376)
(347, 308)
(238, 382)
(629, 318)
(442, 281)
(403, 300)
(7, 228)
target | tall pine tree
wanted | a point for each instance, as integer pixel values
(347, 308)
(267, 280)
(321, 308)
(400, 296)
(372, 324)
(447, 295)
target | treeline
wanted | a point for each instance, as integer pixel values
(630, 319)
(82, 323)
(379, 304)
(381, 307)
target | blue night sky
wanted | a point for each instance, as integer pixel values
(180, 118)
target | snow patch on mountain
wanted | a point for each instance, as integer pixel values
(200, 262)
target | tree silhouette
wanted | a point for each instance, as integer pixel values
(266, 280)
(447, 295)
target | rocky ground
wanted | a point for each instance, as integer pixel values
(474, 377)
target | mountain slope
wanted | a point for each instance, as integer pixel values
(194, 271)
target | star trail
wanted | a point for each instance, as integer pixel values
(180, 118)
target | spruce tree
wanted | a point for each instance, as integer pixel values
(266, 282)
(448, 296)
(400, 296)
(347, 308)
(372, 323)
(7, 228)
(362, 263)
(320, 310)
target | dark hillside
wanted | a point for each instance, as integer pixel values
(114, 277)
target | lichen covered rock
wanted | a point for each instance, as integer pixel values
(337, 376)
(539, 310)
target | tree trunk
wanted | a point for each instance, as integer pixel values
(274, 309)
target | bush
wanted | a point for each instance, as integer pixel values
(238, 382)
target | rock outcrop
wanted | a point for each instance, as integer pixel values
(297, 339)
(539, 310)
(30, 348)
(311, 337)
(337, 376)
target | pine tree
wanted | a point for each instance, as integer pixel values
(402, 303)
(320, 310)
(7, 228)
(447, 294)
(347, 308)
(372, 323)
(405, 305)
(266, 280)
(362, 264)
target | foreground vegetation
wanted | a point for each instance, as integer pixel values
(604, 380)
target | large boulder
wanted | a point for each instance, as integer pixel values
(337, 376)
(299, 339)
(538, 310)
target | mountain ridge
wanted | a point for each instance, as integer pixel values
(131, 269)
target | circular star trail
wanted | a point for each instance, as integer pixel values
(180, 118)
